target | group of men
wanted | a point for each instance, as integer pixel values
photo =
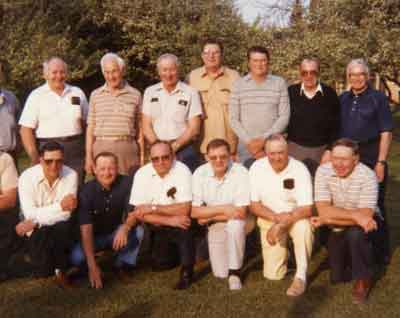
(217, 154)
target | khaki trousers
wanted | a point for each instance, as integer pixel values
(275, 257)
(226, 245)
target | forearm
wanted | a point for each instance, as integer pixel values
(191, 132)
(90, 138)
(8, 200)
(173, 209)
(29, 143)
(209, 212)
(332, 213)
(148, 130)
(131, 221)
(157, 219)
(300, 213)
(384, 145)
(88, 244)
(262, 211)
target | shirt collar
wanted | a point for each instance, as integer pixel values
(99, 187)
(178, 88)
(319, 89)
(210, 172)
(67, 88)
(155, 174)
(365, 92)
(124, 87)
(221, 71)
(40, 177)
(248, 77)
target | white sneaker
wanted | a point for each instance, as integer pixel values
(234, 282)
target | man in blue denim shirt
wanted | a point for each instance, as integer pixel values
(367, 119)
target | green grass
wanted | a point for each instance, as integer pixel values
(150, 294)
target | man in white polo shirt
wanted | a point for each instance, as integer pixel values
(281, 198)
(56, 112)
(162, 196)
(221, 194)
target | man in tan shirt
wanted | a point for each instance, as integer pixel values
(114, 118)
(214, 82)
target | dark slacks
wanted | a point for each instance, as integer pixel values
(170, 244)
(189, 156)
(350, 249)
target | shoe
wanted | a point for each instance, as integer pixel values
(297, 288)
(361, 290)
(185, 280)
(63, 281)
(234, 282)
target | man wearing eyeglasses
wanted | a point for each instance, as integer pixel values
(47, 194)
(162, 196)
(214, 83)
(221, 194)
(314, 116)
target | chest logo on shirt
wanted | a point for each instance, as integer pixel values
(75, 100)
(183, 102)
(154, 100)
(288, 184)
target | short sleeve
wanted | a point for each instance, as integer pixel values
(146, 104)
(197, 188)
(139, 189)
(29, 116)
(304, 191)
(183, 184)
(322, 192)
(254, 190)
(8, 172)
(195, 107)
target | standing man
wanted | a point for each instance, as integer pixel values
(214, 83)
(47, 194)
(114, 119)
(281, 198)
(367, 119)
(314, 116)
(172, 111)
(55, 112)
(221, 194)
(162, 196)
(258, 106)
(103, 204)
(9, 113)
(346, 193)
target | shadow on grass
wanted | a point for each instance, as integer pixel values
(142, 310)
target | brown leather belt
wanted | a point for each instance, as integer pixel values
(115, 138)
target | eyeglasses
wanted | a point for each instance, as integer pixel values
(309, 73)
(58, 162)
(160, 158)
(215, 158)
(357, 74)
(216, 53)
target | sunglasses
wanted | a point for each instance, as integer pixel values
(58, 162)
(215, 158)
(160, 158)
(305, 73)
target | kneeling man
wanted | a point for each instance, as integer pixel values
(281, 198)
(346, 193)
(162, 196)
(221, 194)
(103, 204)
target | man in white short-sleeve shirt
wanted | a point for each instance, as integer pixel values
(162, 196)
(56, 112)
(281, 198)
(221, 194)
(172, 111)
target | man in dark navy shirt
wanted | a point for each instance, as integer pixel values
(314, 116)
(103, 204)
(367, 119)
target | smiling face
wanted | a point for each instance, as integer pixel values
(277, 154)
(309, 74)
(258, 64)
(55, 74)
(113, 74)
(219, 159)
(358, 78)
(168, 73)
(343, 161)
(106, 170)
(52, 162)
(161, 158)
(212, 56)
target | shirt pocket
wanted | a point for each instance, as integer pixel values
(180, 112)
(126, 109)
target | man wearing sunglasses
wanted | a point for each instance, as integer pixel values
(221, 194)
(162, 196)
(314, 116)
(47, 194)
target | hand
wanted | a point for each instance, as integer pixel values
(121, 237)
(24, 227)
(326, 157)
(95, 277)
(175, 146)
(276, 233)
(143, 209)
(181, 221)
(366, 222)
(69, 202)
(89, 165)
(316, 221)
(35, 159)
(239, 214)
(203, 221)
(380, 171)
(256, 145)
(284, 218)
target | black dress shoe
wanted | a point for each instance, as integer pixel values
(185, 279)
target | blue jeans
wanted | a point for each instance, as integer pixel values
(126, 255)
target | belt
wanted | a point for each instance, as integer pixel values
(115, 138)
(60, 139)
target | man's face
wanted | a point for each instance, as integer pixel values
(52, 162)
(106, 170)
(168, 72)
(277, 154)
(56, 74)
(343, 161)
(357, 78)
(309, 74)
(219, 159)
(112, 74)
(211, 56)
(258, 64)
(161, 159)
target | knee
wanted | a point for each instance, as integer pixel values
(77, 256)
(139, 232)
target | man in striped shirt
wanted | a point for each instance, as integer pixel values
(258, 106)
(346, 193)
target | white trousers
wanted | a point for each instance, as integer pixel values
(226, 245)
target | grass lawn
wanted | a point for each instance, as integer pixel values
(150, 294)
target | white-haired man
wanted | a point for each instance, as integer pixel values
(55, 111)
(114, 118)
(171, 112)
